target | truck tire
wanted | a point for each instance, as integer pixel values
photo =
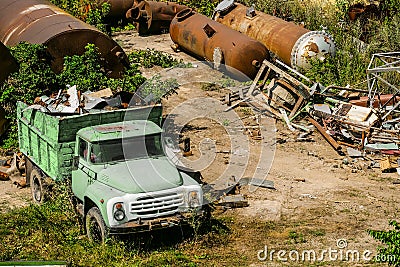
(38, 187)
(95, 227)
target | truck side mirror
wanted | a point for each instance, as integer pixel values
(75, 163)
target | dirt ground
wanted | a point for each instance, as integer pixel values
(321, 200)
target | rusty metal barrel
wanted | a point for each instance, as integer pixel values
(214, 42)
(7, 63)
(152, 17)
(118, 8)
(292, 43)
(39, 22)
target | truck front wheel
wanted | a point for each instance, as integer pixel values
(37, 186)
(96, 229)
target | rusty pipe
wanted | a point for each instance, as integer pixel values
(292, 43)
(39, 22)
(214, 42)
(152, 17)
(8, 64)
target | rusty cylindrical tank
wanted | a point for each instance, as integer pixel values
(118, 8)
(39, 22)
(292, 43)
(7, 63)
(212, 41)
(153, 17)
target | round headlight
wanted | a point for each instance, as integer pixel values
(193, 199)
(119, 215)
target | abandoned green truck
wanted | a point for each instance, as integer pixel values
(121, 179)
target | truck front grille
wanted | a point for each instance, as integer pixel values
(157, 205)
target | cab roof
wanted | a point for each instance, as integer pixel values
(118, 130)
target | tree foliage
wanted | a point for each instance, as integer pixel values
(390, 253)
(86, 11)
(204, 7)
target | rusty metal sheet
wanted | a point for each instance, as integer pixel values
(152, 17)
(39, 22)
(292, 43)
(7, 63)
(214, 42)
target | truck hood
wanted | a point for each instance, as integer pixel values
(140, 175)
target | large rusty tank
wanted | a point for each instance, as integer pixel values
(153, 17)
(39, 22)
(292, 43)
(7, 63)
(118, 8)
(214, 42)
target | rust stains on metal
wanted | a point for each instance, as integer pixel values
(39, 22)
(214, 42)
(313, 47)
(7, 63)
(153, 17)
(292, 43)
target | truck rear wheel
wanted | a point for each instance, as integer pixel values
(96, 229)
(37, 186)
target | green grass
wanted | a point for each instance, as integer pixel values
(53, 232)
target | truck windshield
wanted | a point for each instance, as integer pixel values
(126, 149)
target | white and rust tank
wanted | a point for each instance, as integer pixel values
(292, 43)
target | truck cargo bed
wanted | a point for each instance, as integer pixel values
(49, 141)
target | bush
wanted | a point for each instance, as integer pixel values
(149, 58)
(205, 7)
(391, 239)
(35, 78)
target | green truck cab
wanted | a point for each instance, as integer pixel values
(121, 179)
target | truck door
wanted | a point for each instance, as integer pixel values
(83, 176)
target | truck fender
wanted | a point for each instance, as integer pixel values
(93, 201)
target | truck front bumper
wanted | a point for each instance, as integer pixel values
(138, 226)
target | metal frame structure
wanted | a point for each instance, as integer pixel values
(378, 67)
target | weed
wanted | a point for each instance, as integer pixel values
(154, 89)
(123, 28)
(247, 111)
(149, 58)
(211, 87)
(296, 237)
(318, 232)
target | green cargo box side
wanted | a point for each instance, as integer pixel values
(49, 141)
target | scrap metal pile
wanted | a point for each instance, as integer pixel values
(72, 101)
(356, 122)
